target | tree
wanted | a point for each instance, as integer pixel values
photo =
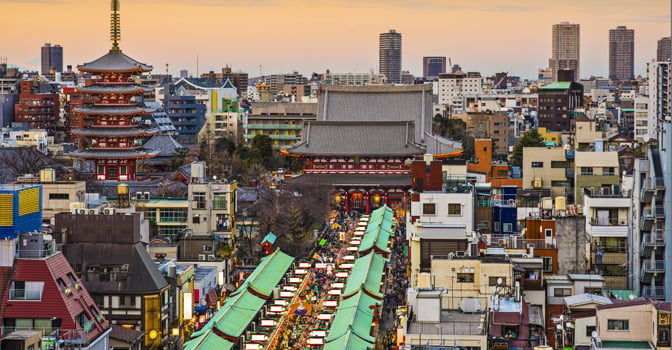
(530, 139)
(264, 145)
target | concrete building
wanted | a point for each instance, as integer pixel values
(557, 101)
(566, 49)
(546, 167)
(622, 53)
(353, 79)
(432, 66)
(52, 59)
(389, 56)
(37, 110)
(494, 126)
(659, 94)
(596, 170)
(282, 122)
(664, 49)
(453, 87)
(633, 324)
(641, 118)
(607, 225)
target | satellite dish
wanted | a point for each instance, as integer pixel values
(499, 281)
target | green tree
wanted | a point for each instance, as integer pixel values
(530, 139)
(263, 144)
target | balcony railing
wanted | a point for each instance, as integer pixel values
(607, 222)
(646, 193)
(29, 294)
(660, 211)
(653, 266)
(653, 292)
(654, 239)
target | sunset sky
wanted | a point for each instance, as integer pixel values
(312, 36)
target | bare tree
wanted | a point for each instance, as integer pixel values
(22, 160)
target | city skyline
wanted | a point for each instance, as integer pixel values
(514, 38)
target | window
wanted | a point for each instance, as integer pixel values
(454, 209)
(465, 278)
(508, 227)
(62, 285)
(207, 248)
(562, 292)
(558, 164)
(73, 280)
(548, 263)
(502, 173)
(196, 219)
(618, 325)
(548, 232)
(492, 281)
(82, 319)
(219, 201)
(510, 331)
(123, 170)
(590, 330)
(586, 170)
(199, 200)
(101, 169)
(428, 209)
(595, 291)
(99, 300)
(537, 164)
(29, 291)
(496, 226)
(607, 171)
(59, 196)
(94, 312)
(172, 215)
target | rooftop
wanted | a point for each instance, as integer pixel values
(114, 62)
(453, 322)
(557, 86)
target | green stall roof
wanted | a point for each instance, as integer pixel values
(348, 341)
(367, 273)
(354, 315)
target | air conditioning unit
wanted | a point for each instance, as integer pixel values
(74, 211)
(537, 182)
(138, 196)
(109, 211)
(460, 254)
(145, 196)
(201, 257)
(93, 211)
(211, 257)
(82, 211)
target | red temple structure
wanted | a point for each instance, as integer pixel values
(111, 135)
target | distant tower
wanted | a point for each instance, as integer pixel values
(621, 53)
(389, 58)
(565, 51)
(664, 49)
(52, 59)
(112, 138)
(433, 66)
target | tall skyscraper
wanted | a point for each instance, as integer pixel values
(52, 57)
(432, 66)
(566, 45)
(389, 58)
(664, 49)
(621, 53)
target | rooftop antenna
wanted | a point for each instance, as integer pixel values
(196, 66)
(115, 28)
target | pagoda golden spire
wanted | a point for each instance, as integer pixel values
(115, 27)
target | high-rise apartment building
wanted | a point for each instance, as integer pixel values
(565, 51)
(52, 57)
(432, 66)
(664, 49)
(621, 53)
(389, 58)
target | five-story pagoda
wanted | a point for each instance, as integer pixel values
(112, 136)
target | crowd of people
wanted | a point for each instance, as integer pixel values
(397, 283)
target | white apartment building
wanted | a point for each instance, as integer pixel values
(642, 118)
(453, 87)
(659, 93)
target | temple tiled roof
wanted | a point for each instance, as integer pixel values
(164, 144)
(137, 153)
(109, 89)
(116, 132)
(357, 139)
(102, 110)
(114, 62)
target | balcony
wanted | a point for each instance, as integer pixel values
(651, 241)
(529, 284)
(651, 268)
(660, 211)
(608, 227)
(653, 292)
(646, 221)
(646, 193)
